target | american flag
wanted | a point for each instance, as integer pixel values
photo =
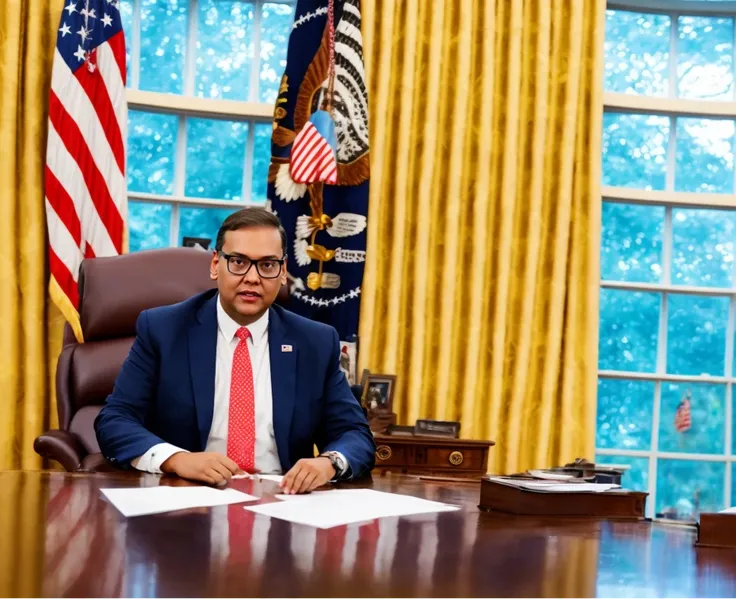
(683, 421)
(86, 203)
(313, 153)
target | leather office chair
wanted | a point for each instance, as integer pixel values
(112, 293)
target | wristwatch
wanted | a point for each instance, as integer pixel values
(338, 462)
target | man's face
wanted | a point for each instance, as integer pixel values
(247, 297)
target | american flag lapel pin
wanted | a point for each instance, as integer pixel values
(286, 348)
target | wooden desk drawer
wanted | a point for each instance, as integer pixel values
(388, 454)
(457, 458)
(423, 453)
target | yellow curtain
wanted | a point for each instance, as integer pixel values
(30, 329)
(481, 282)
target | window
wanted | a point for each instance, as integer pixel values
(668, 290)
(203, 77)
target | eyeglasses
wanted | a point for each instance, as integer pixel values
(267, 268)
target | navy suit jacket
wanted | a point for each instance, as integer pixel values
(166, 387)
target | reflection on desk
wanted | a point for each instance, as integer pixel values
(59, 537)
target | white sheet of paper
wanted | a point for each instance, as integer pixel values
(141, 501)
(728, 510)
(325, 509)
(552, 487)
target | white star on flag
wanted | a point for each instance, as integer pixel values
(84, 33)
(107, 20)
(64, 30)
(80, 54)
(71, 7)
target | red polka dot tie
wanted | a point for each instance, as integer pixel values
(241, 426)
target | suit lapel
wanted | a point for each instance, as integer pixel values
(282, 354)
(202, 356)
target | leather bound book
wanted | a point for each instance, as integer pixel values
(512, 498)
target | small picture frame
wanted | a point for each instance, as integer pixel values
(378, 392)
(349, 359)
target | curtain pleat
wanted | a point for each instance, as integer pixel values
(30, 328)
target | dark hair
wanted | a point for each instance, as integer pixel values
(250, 217)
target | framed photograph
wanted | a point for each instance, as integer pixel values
(378, 392)
(349, 360)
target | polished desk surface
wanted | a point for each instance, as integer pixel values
(59, 537)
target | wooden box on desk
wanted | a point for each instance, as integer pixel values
(412, 454)
(717, 530)
(498, 497)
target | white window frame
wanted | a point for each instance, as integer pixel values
(187, 105)
(673, 108)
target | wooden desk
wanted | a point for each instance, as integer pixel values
(59, 538)
(441, 456)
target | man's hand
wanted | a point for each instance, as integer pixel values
(307, 474)
(211, 468)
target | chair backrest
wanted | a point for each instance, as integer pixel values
(113, 292)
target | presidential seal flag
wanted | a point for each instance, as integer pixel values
(318, 177)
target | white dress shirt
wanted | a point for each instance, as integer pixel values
(266, 453)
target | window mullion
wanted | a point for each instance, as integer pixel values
(255, 66)
(190, 56)
(135, 47)
(672, 62)
(247, 194)
(180, 166)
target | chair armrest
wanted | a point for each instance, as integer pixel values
(63, 447)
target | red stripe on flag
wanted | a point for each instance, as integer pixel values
(326, 159)
(63, 277)
(312, 171)
(63, 205)
(307, 163)
(94, 87)
(74, 141)
(304, 141)
(89, 252)
(308, 173)
(117, 45)
(330, 176)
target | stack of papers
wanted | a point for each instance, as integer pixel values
(553, 487)
(141, 501)
(325, 509)
(322, 509)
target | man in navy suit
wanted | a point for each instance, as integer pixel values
(225, 382)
